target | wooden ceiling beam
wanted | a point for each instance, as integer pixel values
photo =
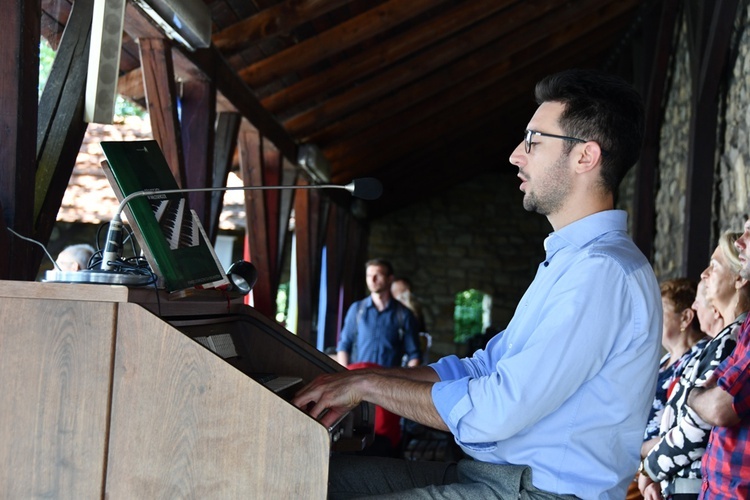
(210, 64)
(331, 42)
(467, 112)
(251, 165)
(384, 54)
(55, 15)
(280, 19)
(225, 144)
(423, 99)
(60, 127)
(414, 141)
(412, 70)
(19, 47)
(501, 49)
(161, 99)
(198, 138)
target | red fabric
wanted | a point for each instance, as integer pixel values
(386, 423)
(726, 462)
(671, 386)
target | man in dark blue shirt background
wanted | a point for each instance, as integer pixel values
(379, 329)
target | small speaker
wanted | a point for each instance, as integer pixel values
(104, 60)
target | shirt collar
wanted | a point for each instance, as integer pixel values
(369, 303)
(583, 231)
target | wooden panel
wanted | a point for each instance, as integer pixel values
(395, 49)
(227, 127)
(335, 40)
(278, 19)
(198, 117)
(272, 173)
(304, 221)
(61, 127)
(251, 158)
(335, 243)
(185, 424)
(56, 358)
(19, 63)
(63, 291)
(161, 96)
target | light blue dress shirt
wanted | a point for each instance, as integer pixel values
(566, 388)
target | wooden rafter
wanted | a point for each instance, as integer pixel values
(198, 102)
(335, 40)
(460, 114)
(161, 97)
(61, 128)
(488, 67)
(210, 64)
(279, 19)
(227, 128)
(448, 55)
(384, 54)
(18, 120)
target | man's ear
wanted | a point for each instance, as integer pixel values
(589, 157)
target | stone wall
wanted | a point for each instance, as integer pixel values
(729, 193)
(476, 235)
(672, 175)
(732, 183)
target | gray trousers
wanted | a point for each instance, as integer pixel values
(387, 478)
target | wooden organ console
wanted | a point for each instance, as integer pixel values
(115, 392)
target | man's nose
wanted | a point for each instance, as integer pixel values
(517, 156)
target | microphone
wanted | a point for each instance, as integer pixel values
(366, 188)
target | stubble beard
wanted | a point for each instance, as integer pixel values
(553, 190)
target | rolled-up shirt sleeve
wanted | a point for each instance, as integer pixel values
(534, 367)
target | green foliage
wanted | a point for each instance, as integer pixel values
(467, 315)
(46, 58)
(282, 303)
(123, 107)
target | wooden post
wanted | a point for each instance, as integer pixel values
(19, 63)
(161, 99)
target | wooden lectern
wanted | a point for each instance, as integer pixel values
(102, 396)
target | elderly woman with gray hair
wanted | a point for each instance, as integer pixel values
(671, 469)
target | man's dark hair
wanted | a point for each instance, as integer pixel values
(381, 262)
(602, 108)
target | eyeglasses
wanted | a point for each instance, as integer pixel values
(529, 134)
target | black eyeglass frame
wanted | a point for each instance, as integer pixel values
(529, 134)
